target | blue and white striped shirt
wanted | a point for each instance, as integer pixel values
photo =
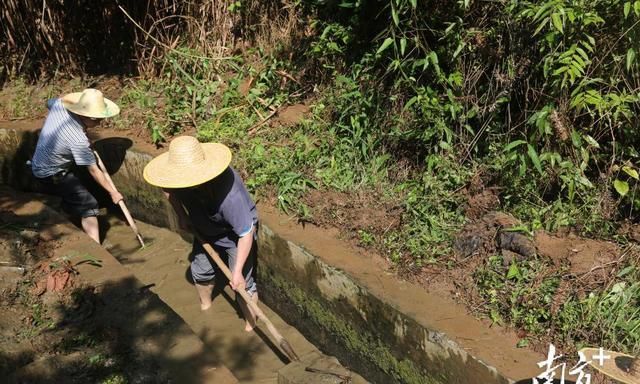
(62, 143)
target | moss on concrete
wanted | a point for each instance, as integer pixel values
(361, 329)
(357, 342)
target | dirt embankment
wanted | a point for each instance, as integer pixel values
(50, 328)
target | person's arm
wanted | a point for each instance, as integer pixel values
(244, 247)
(99, 177)
(183, 218)
(84, 156)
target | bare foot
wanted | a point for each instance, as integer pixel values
(204, 293)
(205, 306)
(250, 324)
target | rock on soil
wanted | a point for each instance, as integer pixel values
(489, 234)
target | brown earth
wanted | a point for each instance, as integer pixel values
(291, 115)
(353, 212)
(48, 328)
(77, 316)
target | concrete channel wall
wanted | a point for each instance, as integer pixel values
(334, 310)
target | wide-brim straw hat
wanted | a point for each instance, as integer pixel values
(90, 103)
(618, 366)
(187, 163)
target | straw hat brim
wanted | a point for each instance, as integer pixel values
(162, 173)
(610, 368)
(70, 102)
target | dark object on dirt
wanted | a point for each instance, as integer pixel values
(508, 257)
(628, 364)
(491, 233)
(467, 246)
(516, 242)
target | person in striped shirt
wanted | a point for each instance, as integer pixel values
(63, 143)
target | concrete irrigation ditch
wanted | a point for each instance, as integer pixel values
(342, 300)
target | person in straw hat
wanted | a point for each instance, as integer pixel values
(210, 198)
(63, 143)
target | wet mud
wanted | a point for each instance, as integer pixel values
(78, 316)
(162, 266)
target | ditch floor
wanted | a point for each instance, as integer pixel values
(69, 317)
(72, 314)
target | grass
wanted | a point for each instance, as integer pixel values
(523, 294)
(520, 294)
(344, 145)
(609, 318)
(20, 99)
(39, 318)
(19, 103)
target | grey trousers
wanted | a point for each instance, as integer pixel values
(204, 269)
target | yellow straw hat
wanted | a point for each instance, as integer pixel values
(90, 103)
(618, 366)
(187, 163)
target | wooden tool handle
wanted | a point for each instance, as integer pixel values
(130, 220)
(284, 344)
(121, 203)
(242, 292)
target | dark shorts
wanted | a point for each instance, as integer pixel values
(76, 199)
(204, 269)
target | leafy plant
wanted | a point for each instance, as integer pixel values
(610, 317)
(527, 287)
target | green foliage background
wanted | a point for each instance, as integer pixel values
(417, 100)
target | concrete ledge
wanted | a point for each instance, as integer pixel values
(387, 330)
(373, 332)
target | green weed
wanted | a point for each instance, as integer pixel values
(432, 212)
(18, 104)
(610, 317)
(367, 239)
(97, 359)
(519, 295)
(115, 379)
(81, 340)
